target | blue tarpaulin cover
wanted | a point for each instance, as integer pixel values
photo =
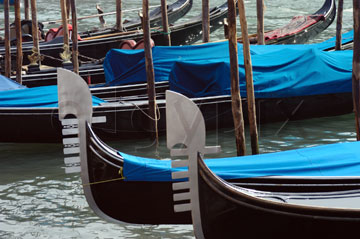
(44, 96)
(282, 73)
(341, 159)
(345, 38)
(8, 84)
(128, 66)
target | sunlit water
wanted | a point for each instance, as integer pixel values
(38, 200)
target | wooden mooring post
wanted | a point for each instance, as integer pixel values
(165, 23)
(339, 25)
(19, 53)
(7, 38)
(74, 37)
(66, 55)
(26, 10)
(35, 56)
(205, 20)
(68, 9)
(119, 24)
(150, 75)
(356, 66)
(234, 75)
(249, 79)
(260, 22)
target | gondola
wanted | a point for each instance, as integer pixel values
(220, 209)
(186, 33)
(125, 188)
(92, 73)
(96, 47)
(287, 94)
(301, 28)
(176, 10)
(50, 75)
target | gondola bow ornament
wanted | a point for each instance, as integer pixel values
(186, 127)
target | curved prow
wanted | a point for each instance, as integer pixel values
(75, 100)
(74, 96)
(185, 125)
(328, 4)
(184, 122)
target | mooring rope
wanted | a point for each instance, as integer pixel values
(109, 180)
(147, 115)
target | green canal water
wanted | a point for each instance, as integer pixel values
(38, 200)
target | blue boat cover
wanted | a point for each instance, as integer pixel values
(341, 159)
(11, 2)
(44, 96)
(128, 66)
(8, 84)
(345, 38)
(282, 73)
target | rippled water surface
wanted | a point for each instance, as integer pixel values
(38, 200)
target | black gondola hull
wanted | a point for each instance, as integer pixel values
(225, 213)
(147, 202)
(129, 120)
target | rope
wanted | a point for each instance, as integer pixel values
(52, 58)
(157, 112)
(105, 181)
(110, 180)
(91, 60)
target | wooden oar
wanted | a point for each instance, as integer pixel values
(111, 35)
(101, 18)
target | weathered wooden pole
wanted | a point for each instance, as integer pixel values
(249, 79)
(260, 22)
(7, 39)
(234, 74)
(356, 67)
(150, 75)
(75, 49)
(119, 24)
(19, 53)
(205, 20)
(165, 23)
(68, 9)
(26, 10)
(66, 55)
(339, 24)
(35, 56)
